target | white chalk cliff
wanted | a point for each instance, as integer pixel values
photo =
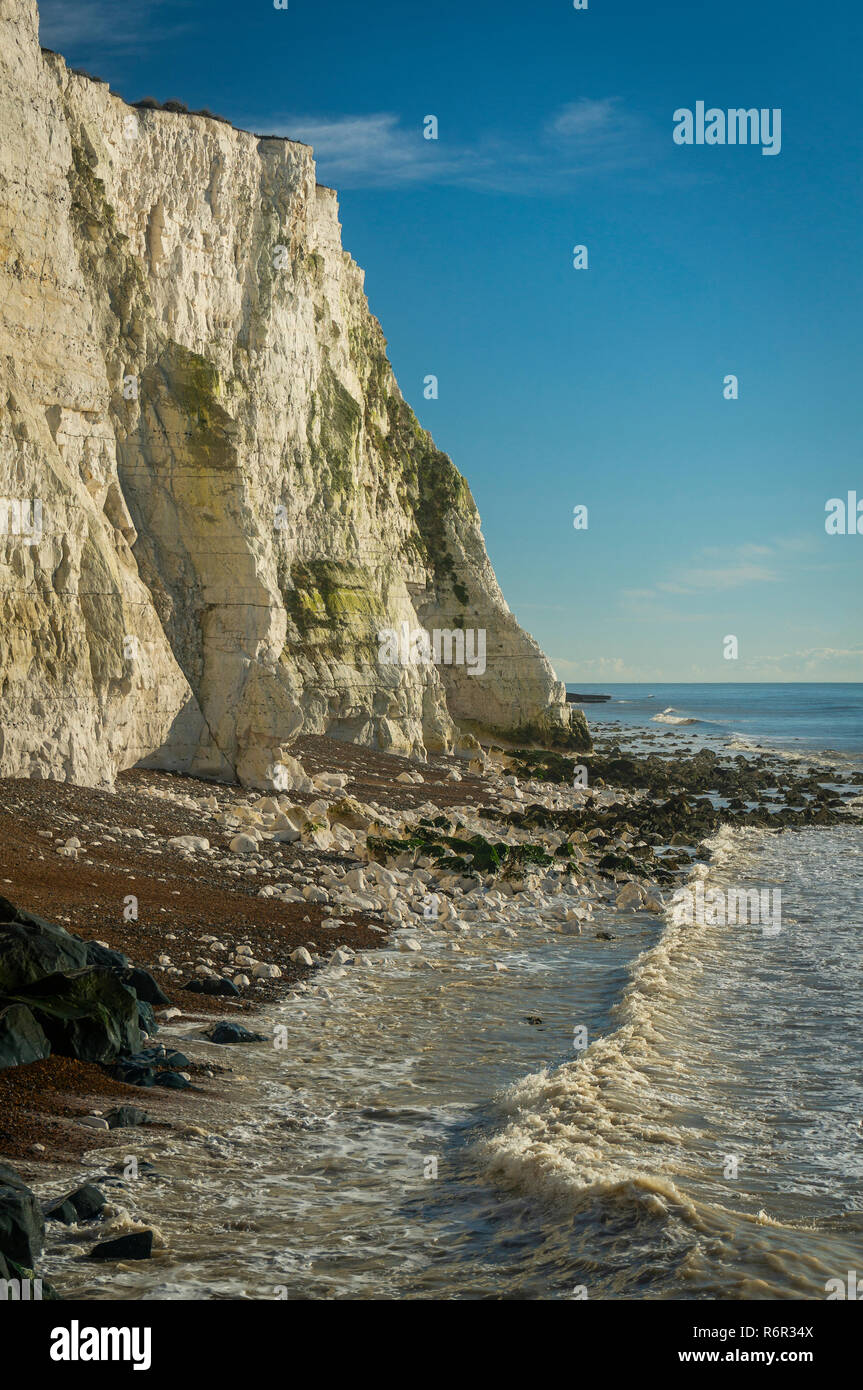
(234, 495)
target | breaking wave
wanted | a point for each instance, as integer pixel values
(668, 1138)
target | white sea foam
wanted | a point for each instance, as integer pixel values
(722, 1050)
(671, 716)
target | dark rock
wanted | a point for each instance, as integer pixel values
(153, 1056)
(172, 1058)
(533, 1018)
(97, 954)
(233, 1033)
(171, 1080)
(22, 1039)
(147, 1019)
(130, 975)
(31, 948)
(22, 1226)
(133, 1073)
(145, 987)
(60, 1210)
(619, 863)
(136, 1245)
(217, 987)
(87, 1014)
(84, 1204)
(88, 1201)
(125, 1116)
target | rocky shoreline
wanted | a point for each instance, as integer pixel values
(239, 900)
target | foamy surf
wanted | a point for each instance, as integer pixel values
(671, 716)
(710, 1111)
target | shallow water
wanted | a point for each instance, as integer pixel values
(419, 1138)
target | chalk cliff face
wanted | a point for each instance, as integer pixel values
(228, 496)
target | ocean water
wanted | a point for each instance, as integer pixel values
(797, 718)
(436, 1127)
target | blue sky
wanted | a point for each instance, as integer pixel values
(603, 386)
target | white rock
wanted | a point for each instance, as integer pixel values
(244, 844)
(629, 897)
(196, 843)
(301, 956)
(320, 836)
(331, 781)
(266, 972)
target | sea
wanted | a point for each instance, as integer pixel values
(795, 718)
(647, 1111)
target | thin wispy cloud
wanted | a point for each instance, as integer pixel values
(91, 27)
(743, 567)
(383, 150)
(704, 580)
